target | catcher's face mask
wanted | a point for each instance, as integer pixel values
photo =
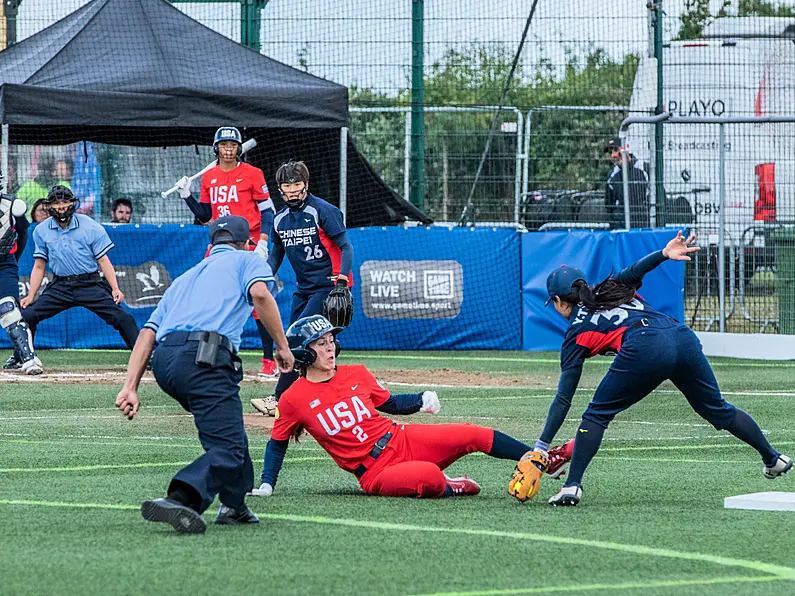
(294, 194)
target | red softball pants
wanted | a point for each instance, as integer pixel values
(412, 462)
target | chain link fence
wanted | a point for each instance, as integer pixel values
(583, 69)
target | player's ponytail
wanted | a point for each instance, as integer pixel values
(607, 294)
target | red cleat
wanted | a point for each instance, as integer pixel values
(463, 486)
(558, 458)
(270, 371)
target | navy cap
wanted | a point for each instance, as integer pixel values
(613, 144)
(560, 281)
(234, 228)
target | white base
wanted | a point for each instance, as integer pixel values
(762, 502)
(761, 346)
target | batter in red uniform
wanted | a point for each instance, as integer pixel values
(234, 187)
(339, 406)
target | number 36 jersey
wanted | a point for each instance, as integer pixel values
(602, 332)
(306, 235)
(240, 191)
(339, 414)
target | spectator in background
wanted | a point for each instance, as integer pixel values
(51, 172)
(639, 216)
(122, 211)
(39, 212)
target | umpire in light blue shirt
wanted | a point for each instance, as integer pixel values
(76, 249)
(197, 327)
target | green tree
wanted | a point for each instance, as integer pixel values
(565, 148)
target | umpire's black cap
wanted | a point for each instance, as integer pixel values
(229, 228)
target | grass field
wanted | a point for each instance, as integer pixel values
(73, 473)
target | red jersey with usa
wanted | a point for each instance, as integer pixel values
(306, 235)
(602, 332)
(236, 192)
(339, 414)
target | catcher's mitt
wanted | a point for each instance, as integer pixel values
(527, 476)
(338, 305)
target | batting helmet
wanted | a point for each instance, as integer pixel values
(305, 331)
(227, 133)
(60, 193)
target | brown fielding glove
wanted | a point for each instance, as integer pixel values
(527, 476)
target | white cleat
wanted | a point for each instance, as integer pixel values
(266, 406)
(782, 466)
(568, 496)
(32, 367)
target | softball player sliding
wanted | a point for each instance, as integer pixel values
(339, 407)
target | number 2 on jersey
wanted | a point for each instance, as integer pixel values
(359, 433)
(313, 252)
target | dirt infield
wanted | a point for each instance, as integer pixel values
(441, 376)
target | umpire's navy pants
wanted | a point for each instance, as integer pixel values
(651, 355)
(212, 396)
(94, 294)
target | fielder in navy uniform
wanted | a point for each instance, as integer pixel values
(13, 237)
(76, 249)
(196, 363)
(312, 234)
(651, 347)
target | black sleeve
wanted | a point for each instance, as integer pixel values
(274, 458)
(202, 211)
(406, 403)
(633, 275)
(346, 258)
(276, 255)
(559, 408)
(21, 226)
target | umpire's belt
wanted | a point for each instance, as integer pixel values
(82, 277)
(375, 453)
(178, 338)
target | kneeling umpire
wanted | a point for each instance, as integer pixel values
(196, 363)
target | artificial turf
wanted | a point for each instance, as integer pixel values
(73, 473)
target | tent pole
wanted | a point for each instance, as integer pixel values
(344, 172)
(4, 164)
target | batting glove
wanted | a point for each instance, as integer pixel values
(264, 490)
(262, 249)
(430, 402)
(183, 186)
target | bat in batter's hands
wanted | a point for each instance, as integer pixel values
(247, 146)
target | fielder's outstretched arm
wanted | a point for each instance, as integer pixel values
(677, 249)
(559, 408)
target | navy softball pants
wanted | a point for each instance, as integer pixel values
(651, 355)
(212, 396)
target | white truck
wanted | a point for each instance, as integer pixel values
(741, 67)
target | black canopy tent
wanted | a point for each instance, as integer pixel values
(140, 72)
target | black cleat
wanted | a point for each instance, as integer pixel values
(12, 364)
(178, 516)
(232, 517)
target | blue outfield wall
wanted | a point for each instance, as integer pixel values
(597, 254)
(415, 288)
